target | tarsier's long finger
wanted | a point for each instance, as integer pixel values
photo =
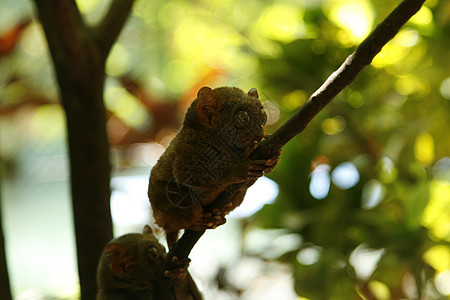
(269, 169)
(259, 162)
(272, 162)
(214, 223)
(255, 174)
(253, 167)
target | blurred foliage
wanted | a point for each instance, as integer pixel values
(365, 188)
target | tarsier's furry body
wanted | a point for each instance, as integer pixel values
(128, 267)
(222, 127)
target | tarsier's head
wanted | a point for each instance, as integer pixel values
(131, 262)
(237, 117)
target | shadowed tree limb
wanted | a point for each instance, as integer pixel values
(106, 32)
(5, 288)
(335, 83)
(79, 59)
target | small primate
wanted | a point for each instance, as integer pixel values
(128, 267)
(210, 153)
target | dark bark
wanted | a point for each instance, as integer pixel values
(79, 54)
(5, 289)
(335, 83)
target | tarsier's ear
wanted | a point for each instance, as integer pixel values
(208, 106)
(147, 230)
(253, 93)
(118, 255)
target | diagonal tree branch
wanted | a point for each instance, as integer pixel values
(341, 78)
(106, 32)
(335, 83)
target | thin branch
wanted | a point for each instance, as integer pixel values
(337, 81)
(107, 31)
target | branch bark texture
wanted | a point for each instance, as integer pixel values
(79, 54)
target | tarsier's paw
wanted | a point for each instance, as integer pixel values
(213, 219)
(272, 162)
(259, 166)
(180, 271)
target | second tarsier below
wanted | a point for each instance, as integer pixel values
(129, 268)
(221, 128)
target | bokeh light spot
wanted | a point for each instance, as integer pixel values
(365, 260)
(33, 41)
(263, 192)
(129, 202)
(118, 61)
(355, 99)
(87, 6)
(126, 107)
(380, 290)
(47, 122)
(320, 182)
(309, 256)
(437, 215)
(438, 257)
(294, 99)
(423, 17)
(335, 125)
(372, 194)
(407, 38)
(282, 23)
(445, 88)
(424, 148)
(354, 16)
(345, 175)
(387, 172)
(442, 281)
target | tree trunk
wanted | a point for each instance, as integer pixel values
(79, 54)
(5, 290)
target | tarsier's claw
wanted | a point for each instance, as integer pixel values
(272, 162)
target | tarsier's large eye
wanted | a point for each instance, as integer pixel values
(263, 117)
(241, 119)
(152, 253)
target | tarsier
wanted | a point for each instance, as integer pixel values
(129, 266)
(210, 153)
